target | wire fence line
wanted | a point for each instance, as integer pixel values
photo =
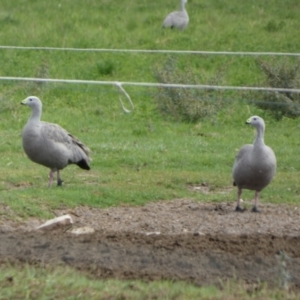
(150, 84)
(238, 53)
(120, 85)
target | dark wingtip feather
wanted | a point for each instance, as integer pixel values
(83, 164)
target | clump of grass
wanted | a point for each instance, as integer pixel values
(106, 67)
(186, 104)
(274, 26)
(280, 75)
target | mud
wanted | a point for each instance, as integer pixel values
(203, 243)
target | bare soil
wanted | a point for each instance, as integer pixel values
(198, 242)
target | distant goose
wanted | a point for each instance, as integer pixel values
(177, 19)
(50, 145)
(255, 165)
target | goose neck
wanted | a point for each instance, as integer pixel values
(259, 141)
(182, 3)
(36, 114)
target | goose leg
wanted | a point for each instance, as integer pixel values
(238, 207)
(50, 179)
(59, 181)
(254, 208)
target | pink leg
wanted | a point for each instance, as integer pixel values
(50, 179)
(59, 181)
(238, 208)
(254, 209)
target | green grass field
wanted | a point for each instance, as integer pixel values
(142, 156)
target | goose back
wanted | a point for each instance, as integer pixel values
(51, 146)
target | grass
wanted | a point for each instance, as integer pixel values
(65, 283)
(136, 160)
(142, 156)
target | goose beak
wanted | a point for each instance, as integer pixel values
(248, 121)
(24, 102)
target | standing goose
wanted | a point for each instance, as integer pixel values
(50, 145)
(255, 165)
(177, 19)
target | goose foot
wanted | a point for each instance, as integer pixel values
(254, 209)
(239, 209)
(59, 182)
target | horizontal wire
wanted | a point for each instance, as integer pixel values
(241, 53)
(152, 84)
(203, 97)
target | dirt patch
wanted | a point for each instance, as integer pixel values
(180, 239)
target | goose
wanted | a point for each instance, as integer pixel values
(255, 164)
(50, 145)
(177, 19)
